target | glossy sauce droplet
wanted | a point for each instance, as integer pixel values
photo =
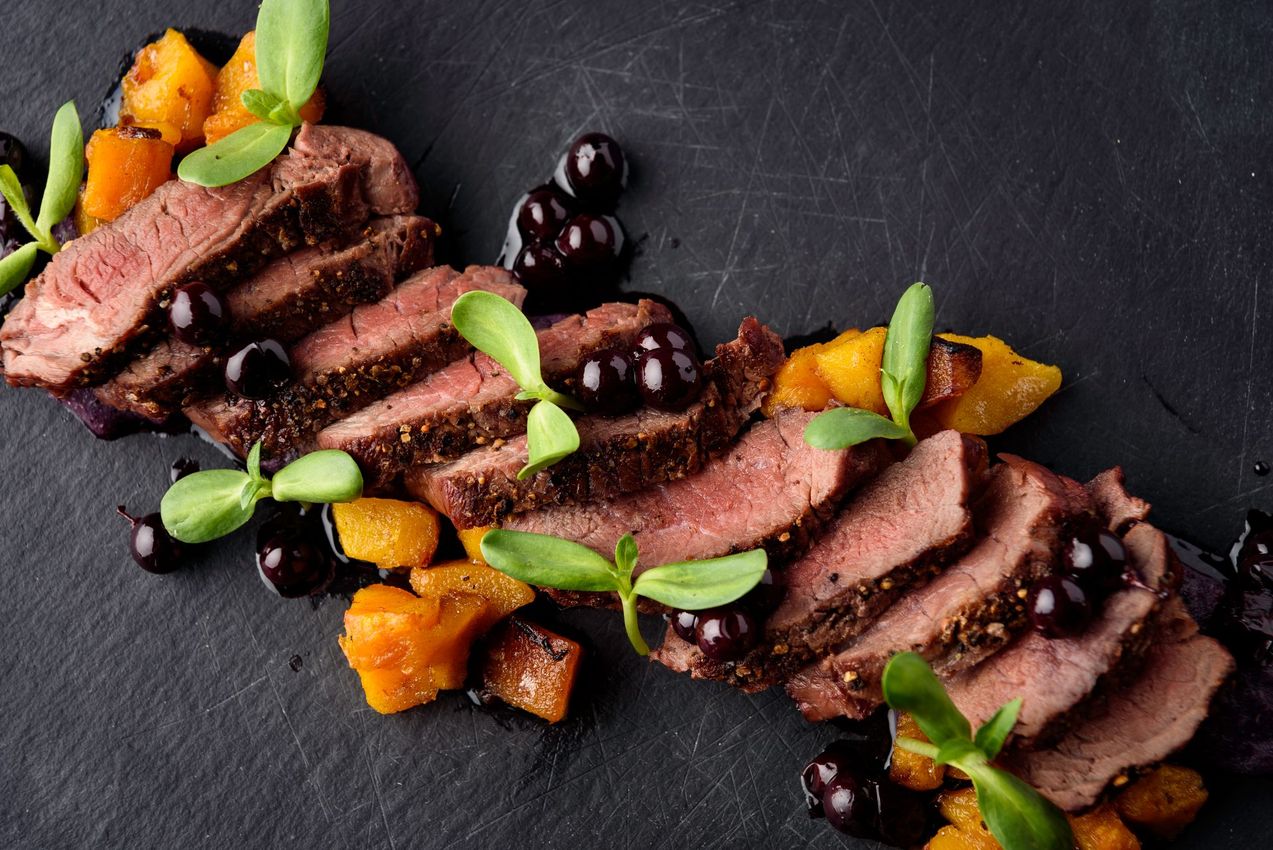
(296, 662)
(1261, 468)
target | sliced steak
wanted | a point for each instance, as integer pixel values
(1120, 509)
(1135, 726)
(100, 300)
(970, 610)
(471, 402)
(344, 366)
(898, 530)
(617, 454)
(288, 298)
(1055, 677)
(770, 490)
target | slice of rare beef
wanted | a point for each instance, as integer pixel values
(1054, 677)
(897, 531)
(471, 403)
(350, 363)
(285, 300)
(1134, 726)
(617, 454)
(771, 490)
(100, 300)
(969, 611)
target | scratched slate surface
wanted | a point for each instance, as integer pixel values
(1086, 179)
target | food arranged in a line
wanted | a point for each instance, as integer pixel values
(828, 520)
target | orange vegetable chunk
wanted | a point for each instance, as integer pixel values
(1164, 801)
(531, 668)
(502, 594)
(239, 75)
(390, 640)
(125, 164)
(169, 88)
(387, 532)
(851, 370)
(798, 384)
(1101, 829)
(471, 540)
(911, 770)
(1010, 388)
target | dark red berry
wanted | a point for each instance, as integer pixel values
(850, 806)
(591, 244)
(258, 369)
(664, 335)
(725, 634)
(1059, 607)
(150, 544)
(669, 379)
(197, 314)
(595, 170)
(766, 595)
(824, 767)
(684, 623)
(291, 561)
(181, 467)
(539, 265)
(606, 382)
(1097, 559)
(542, 214)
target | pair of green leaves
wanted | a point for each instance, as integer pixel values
(548, 561)
(494, 326)
(291, 43)
(215, 502)
(903, 376)
(66, 169)
(1017, 815)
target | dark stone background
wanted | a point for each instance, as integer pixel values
(1085, 179)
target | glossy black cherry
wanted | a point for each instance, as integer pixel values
(1097, 559)
(664, 335)
(258, 369)
(606, 382)
(725, 634)
(150, 544)
(595, 170)
(591, 244)
(684, 624)
(1059, 607)
(539, 265)
(849, 805)
(542, 214)
(197, 314)
(669, 379)
(291, 561)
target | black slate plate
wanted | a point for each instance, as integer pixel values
(1088, 180)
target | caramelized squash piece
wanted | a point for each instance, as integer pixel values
(502, 594)
(471, 540)
(954, 838)
(84, 223)
(797, 384)
(1100, 829)
(125, 164)
(387, 532)
(911, 770)
(1163, 802)
(169, 88)
(462, 620)
(1010, 388)
(531, 668)
(387, 641)
(851, 370)
(239, 75)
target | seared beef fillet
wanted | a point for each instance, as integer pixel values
(1055, 676)
(617, 454)
(900, 529)
(1119, 509)
(1135, 726)
(285, 300)
(970, 610)
(770, 490)
(101, 299)
(471, 402)
(344, 366)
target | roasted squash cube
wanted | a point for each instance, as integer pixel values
(531, 668)
(389, 690)
(1101, 829)
(797, 383)
(125, 164)
(851, 370)
(503, 594)
(911, 770)
(240, 75)
(953, 368)
(1163, 802)
(387, 532)
(954, 838)
(388, 642)
(461, 621)
(169, 88)
(1010, 388)
(471, 540)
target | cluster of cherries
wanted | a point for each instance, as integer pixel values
(728, 632)
(198, 315)
(563, 235)
(1095, 568)
(848, 784)
(662, 370)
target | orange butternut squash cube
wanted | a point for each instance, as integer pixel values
(84, 223)
(531, 668)
(911, 770)
(954, 838)
(387, 532)
(471, 540)
(1163, 802)
(169, 88)
(1010, 388)
(1101, 829)
(798, 384)
(851, 370)
(502, 594)
(125, 164)
(462, 619)
(387, 642)
(239, 75)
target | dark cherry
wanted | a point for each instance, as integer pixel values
(684, 624)
(825, 766)
(152, 547)
(542, 214)
(539, 264)
(595, 170)
(291, 561)
(725, 634)
(1253, 554)
(850, 806)
(257, 369)
(664, 335)
(13, 154)
(669, 379)
(197, 314)
(1097, 559)
(606, 382)
(181, 467)
(1059, 607)
(766, 595)
(591, 243)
